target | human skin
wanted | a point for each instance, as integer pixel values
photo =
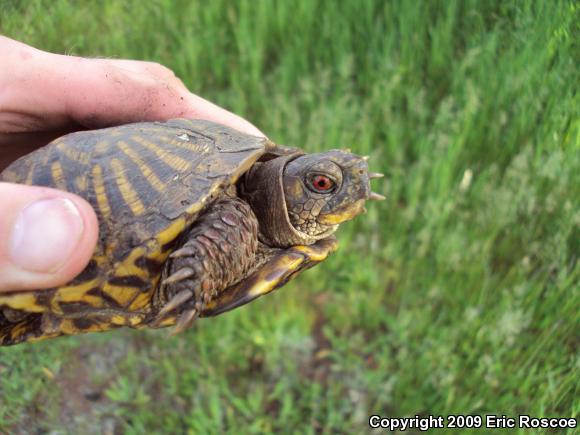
(47, 236)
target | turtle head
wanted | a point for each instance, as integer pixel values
(323, 190)
(302, 198)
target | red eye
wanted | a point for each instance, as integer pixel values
(322, 183)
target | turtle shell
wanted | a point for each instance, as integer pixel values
(147, 183)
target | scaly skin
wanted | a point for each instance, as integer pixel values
(221, 250)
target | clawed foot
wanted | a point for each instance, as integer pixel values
(217, 253)
(187, 305)
(187, 316)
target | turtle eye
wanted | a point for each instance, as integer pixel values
(321, 183)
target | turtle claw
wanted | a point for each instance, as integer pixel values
(177, 300)
(186, 251)
(185, 321)
(180, 275)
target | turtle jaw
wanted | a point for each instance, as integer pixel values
(343, 214)
(325, 234)
(328, 233)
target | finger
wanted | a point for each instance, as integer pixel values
(191, 105)
(44, 94)
(123, 91)
(46, 236)
(198, 107)
(152, 69)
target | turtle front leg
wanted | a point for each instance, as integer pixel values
(281, 268)
(218, 250)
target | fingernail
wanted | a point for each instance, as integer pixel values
(45, 235)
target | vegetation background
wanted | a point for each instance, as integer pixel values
(457, 295)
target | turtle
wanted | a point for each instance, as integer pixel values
(195, 219)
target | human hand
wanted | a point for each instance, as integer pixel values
(48, 236)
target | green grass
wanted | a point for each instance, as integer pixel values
(451, 297)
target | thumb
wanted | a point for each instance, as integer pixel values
(47, 236)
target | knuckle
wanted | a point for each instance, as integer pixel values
(160, 70)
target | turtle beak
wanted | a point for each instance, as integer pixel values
(343, 214)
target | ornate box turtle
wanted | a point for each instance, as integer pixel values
(195, 219)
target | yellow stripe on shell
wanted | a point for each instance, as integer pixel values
(76, 293)
(22, 301)
(190, 146)
(122, 294)
(119, 320)
(100, 192)
(81, 183)
(29, 176)
(127, 267)
(23, 329)
(73, 154)
(101, 146)
(142, 300)
(126, 188)
(173, 161)
(57, 175)
(172, 231)
(150, 176)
